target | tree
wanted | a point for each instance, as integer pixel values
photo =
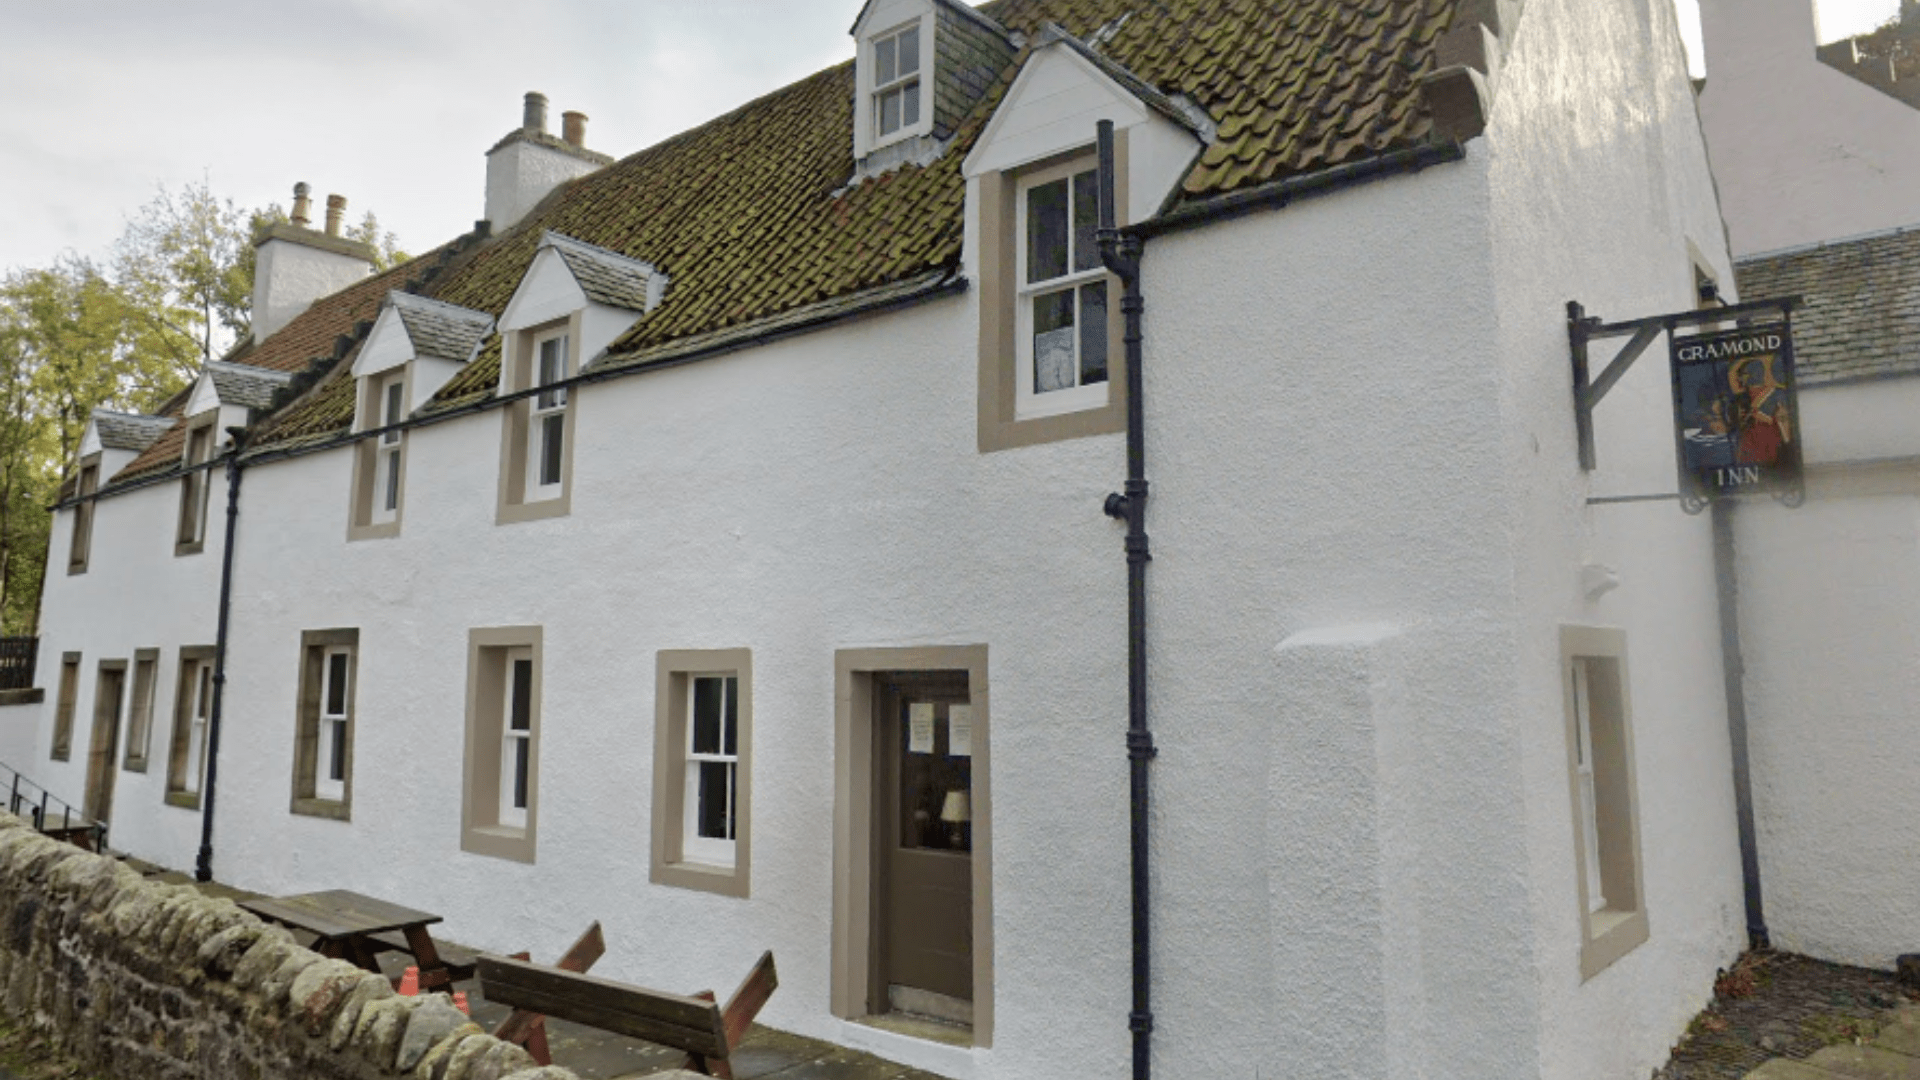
(180, 264)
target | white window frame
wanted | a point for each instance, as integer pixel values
(388, 465)
(543, 407)
(331, 753)
(199, 712)
(900, 83)
(191, 536)
(695, 848)
(516, 743)
(1583, 769)
(1609, 873)
(1027, 403)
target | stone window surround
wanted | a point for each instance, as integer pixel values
(64, 705)
(1621, 926)
(518, 349)
(140, 702)
(480, 831)
(366, 459)
(180, 742)
(196, 484)
(306, 736)
(1000, 427)
(672, 669)
(853, 978)
(80, 545)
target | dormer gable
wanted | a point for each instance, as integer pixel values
(117, 438)
(921, 67)
(237, 392)
(437, 339)
(1063, 90)
(597, 292)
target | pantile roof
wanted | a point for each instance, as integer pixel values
(439, 329)
(128, 431)
(755, 219)
(1861, 312)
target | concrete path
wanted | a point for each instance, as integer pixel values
(1893, 1055)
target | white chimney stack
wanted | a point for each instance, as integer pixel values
(294, 265)
(529, 163)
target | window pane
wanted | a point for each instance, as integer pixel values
(889, 112)
(552, 432)
(521, 717)
(909, 50)
(885, 70)
(204, 706)
(1053, 363)
(1086, 221)
(707, 693)
(337, 769)
(337, 684)
(520, 773)
(393, 406)
(1047, 231)
(1093, 333)
(910, 104)
(716, 800)
(392, 500)
(733, 715)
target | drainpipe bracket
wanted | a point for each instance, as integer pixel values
(1140, 746)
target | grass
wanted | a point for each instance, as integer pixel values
(27, 1055)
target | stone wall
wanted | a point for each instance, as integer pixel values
(141, 980)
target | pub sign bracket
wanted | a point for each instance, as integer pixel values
(1736, 418)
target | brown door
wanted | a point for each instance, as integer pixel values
(105, 745)
(925, 843)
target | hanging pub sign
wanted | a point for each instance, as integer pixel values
(1736, 418)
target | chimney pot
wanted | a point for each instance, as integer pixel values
(573, 128)
(302, 205)
(336, 210)
(535, 116)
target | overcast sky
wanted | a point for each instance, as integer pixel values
(391, 103)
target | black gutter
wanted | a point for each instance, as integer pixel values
(1120, 252)
(1727, 578)
(203, 868)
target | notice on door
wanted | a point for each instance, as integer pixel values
(920, 728)
(959, 731)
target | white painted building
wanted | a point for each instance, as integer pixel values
(718, 553)
(1818, 165)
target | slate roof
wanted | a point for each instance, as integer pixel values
(442, 330)
(1861, 317)
(128, 431)
(244, 384)
(607, 277)
(755, 220)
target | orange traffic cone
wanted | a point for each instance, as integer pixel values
(410, 982)
(460, 1002)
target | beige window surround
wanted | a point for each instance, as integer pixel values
(486, 775)
(675, 671)
(146, 678)
(1000, 426)
(315, 719)
(192, 713)
(518, 436)
(379, 460)
(190, 536)
(1606, 812)
(857, 987)
(64, 705)
(81, 547)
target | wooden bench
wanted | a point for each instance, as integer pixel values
(459, 961)
(707, 1031)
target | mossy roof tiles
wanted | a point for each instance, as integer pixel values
(1860, 316)
(752, 216)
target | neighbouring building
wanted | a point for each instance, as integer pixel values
(1816, 149)
(711, 544)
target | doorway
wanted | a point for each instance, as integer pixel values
(104, 748)
(912, 849)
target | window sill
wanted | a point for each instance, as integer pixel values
(499, 842)
(380, 530)
(719, 880)
(194, 548)
(555, 506)
(138, 765)
(185, 800)
(1611, 934)
(60, 754)
(75, 571)
(335, 809)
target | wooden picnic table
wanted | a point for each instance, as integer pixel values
(346, 924)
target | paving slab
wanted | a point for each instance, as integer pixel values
(1866, 1063)
(1903, 1035)
(1789, 1069)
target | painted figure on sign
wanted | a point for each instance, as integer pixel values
(1760, 413)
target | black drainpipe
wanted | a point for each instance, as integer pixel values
(1121, 255)
(203, 870)
(1727, 578)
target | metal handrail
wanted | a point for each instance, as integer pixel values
(38, 811)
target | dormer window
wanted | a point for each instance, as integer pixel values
(393, 409)
(190, 537)
(1064, 329)
(549, 428)
(896, 77)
